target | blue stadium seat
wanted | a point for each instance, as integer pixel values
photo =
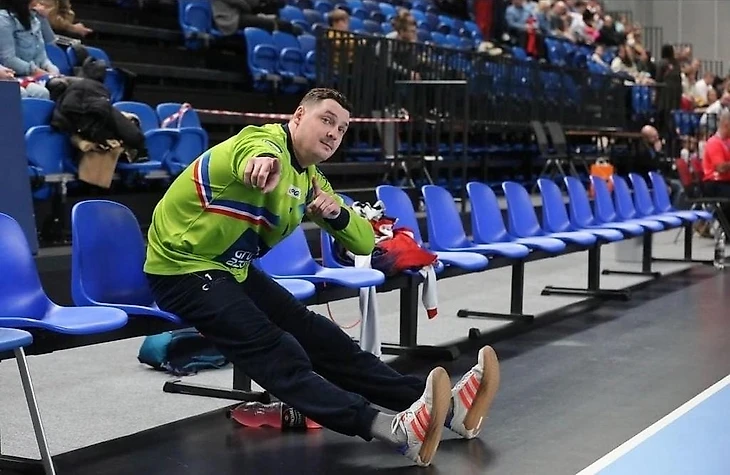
(446, 232)
(372, 27)
(661, 197)
(24, 303)
(323, 6)
(398, 205)
(293, 15)
(262, 58)
(193, 139)
(523, 219)
(291, 258)
(299, 288)
(645, 205)
(582, 216)
(49, 150)
(313, 16)
(58, 57)
(107, 258)
(308, 44)
(196, 22)
(291, 61)
(605, 211)
(114, 80)
(13, 339)
(106, 235)
(36, 112)
(555, 216)
(627, 210)
(488, 226)
(161, 143)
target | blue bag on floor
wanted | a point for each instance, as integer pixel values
(180, 352)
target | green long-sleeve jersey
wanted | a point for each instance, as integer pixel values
(208, 219)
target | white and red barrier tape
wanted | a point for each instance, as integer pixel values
(264, 116)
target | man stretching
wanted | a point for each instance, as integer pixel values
(233, 204)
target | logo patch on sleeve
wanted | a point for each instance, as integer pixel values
(273, 145)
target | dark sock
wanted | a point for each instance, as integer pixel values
(382, 430)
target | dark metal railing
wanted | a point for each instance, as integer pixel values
(506, 91)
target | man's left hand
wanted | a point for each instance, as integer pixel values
(323, 204)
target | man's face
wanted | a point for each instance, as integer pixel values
(342, 25)
(409, 34)
(320, 129)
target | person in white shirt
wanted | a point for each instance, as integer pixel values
(716, 108)
(702, 86)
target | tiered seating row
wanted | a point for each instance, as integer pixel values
(171, 149)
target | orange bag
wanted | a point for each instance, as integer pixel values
(602, 169)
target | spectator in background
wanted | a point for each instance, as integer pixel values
(22, 47)
(544, 17)
(29, 90)
(716, 162)
(516, 17)
(716, 108)
(557, 17)
(61, 17)
(668, 97)
(701, 88)
(231, 15)
(608, 34)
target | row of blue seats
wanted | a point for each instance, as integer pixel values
(196, 19)
(108, 248)
(108, 252)
(170, 150)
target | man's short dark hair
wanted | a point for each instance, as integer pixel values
(320, 94)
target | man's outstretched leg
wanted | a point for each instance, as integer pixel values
(472, 396)
(221, 310)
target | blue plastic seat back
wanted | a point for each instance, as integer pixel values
(147, 117)
(36, 112)
(445, 229)
(622, 199)
(21, 293)
(291, 13)
(195, 16)
(285, 40)
(604, 208)
(48, 149)
(96, 53)
(289, 257)
(554, 213)
(522, 218)
(263, 56)
(189, 119)
(487, 223)
(313, 16)
(59, 57)
(108, 254)
(642, 195)
(662, 201)
(327, 242)
(398, 205)
(307, 43)
(581, 214)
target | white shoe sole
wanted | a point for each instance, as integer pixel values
(487, 390)
(441, 400)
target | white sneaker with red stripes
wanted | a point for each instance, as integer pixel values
(424, 421)
(472, 396)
